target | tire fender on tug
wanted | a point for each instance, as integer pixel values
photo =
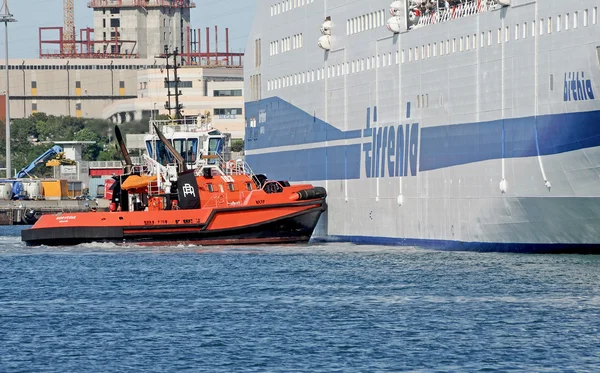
(306, 194)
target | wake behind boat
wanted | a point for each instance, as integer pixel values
(199, 200)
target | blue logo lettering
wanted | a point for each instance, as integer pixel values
(390, 150)
(576, 88)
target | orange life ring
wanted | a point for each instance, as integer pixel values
(231, 164)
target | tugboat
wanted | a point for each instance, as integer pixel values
(188, 192)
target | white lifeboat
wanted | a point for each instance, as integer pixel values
(393, 24)
(326, 28)
(396, 8)
(325, 40)
(504, 2)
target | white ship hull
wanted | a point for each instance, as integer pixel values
(480, 132)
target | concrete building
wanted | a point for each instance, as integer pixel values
(144, 27)
(76, 87)
(214, 90)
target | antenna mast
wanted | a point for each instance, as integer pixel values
(173, 83)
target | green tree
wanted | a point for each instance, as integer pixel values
(237, 145)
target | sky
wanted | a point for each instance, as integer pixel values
(32, 14)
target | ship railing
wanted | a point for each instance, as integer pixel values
(462, 10)
(235, 167)
(189, 124)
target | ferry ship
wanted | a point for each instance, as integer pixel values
(459, 125)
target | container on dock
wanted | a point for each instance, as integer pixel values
(108, 192)
(6, 191)
(97, 186)
(55, 189)
(75, 188)
(33, 189)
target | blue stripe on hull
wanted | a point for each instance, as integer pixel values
(446, 146)
(467, 246)
(284, 124)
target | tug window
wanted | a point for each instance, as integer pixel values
(231, 187)
(210, 187)
(248, 186)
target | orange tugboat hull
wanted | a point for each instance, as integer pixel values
(278, 223)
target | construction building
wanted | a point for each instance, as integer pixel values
(87, 73)
(148, 27)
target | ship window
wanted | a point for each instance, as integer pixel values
(549, 25)
(533, 28)
(507, 34)
(461, 43)
(499, 35)
(410, 55)
(567, 17)
(517, 31)
(585, 18)
(210, 188)
(397, 57)
(454, 45)
(482, 39)
(231, 187)
(595, 15)
(390, 58)
(525, 30)
(558, 23)
(448, 46)
(542, 26)
(489, 38)
(552, 82)
(248, 186)
(434, 49)
(575, 19)
(221, 188)
(441, 48)
(598, 55)
(468, 42)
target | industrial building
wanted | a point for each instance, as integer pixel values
(216, 91)
(116, 70)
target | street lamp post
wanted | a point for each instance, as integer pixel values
(5, 18)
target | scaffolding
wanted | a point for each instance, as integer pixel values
(209, 58)
(84, 47)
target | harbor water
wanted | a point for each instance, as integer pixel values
(306, 308)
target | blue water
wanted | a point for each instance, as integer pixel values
(309, 308)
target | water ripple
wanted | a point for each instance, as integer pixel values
(317, 308)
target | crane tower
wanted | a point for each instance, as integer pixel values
(69, 26)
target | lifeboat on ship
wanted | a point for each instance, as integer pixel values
(214, 202)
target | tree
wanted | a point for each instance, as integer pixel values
(237, 145)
